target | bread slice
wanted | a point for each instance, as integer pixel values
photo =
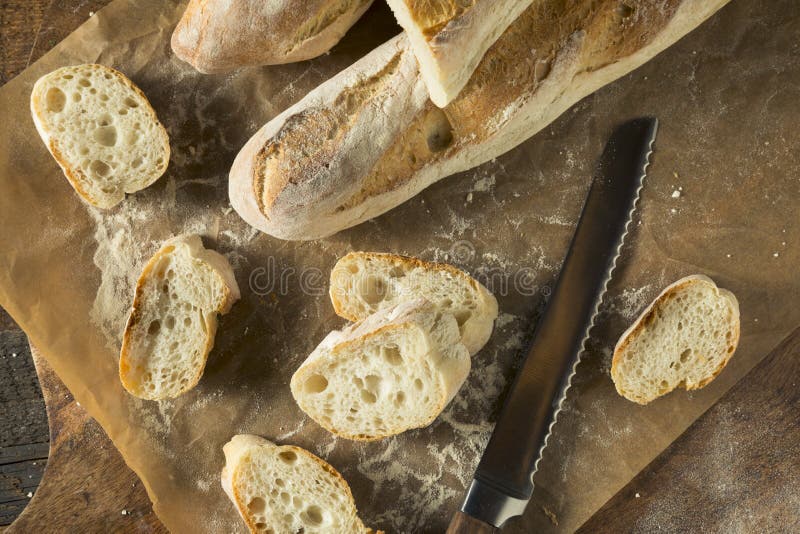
(222, 35)
(286, 490)
(393, 371)
(363, 283)
(450, 38)
(384, 141)
(683, 339)
(101, 130)
(173, 320)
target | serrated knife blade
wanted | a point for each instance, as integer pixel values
(503, 481)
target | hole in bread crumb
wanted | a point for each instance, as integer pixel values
(400, 398)
(285, 498)
(279, 482)
(372, 289)
(352, 268)
(391, 354)
(55, 100)
(104, 97)
(99, 168)
(67, 76)
(297, 502)
(130, 102)
(624, 11)
(288, 457)
(316, 384)
(418, 383)
(461, 317)
(685, 355)
(83, 82)
(154, 327)
(136, 163)
(257, 505)
(187, 321)
(169, 322)
(368, 397)
(313, 515)
(106, 135)
(397, 272)
(76, 97)
(261, 526)
(358, 382)
(122, 111)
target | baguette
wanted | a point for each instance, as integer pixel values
(101, 130)
(450, 38)
(285, 489)
(394, 371)
(683, 339)
(363, 283)
(173, 319)
(222, 35)
(368, 139)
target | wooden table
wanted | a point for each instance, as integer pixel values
(88, 488)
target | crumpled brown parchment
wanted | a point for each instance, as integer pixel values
(721, 198)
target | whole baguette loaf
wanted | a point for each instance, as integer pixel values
(368, 139)
(222, 35)
(450, 38)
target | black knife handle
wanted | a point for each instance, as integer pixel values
(466, 524)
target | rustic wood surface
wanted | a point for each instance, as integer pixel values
(87, 485)
(735, 469)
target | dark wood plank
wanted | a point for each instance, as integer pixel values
(735, 469)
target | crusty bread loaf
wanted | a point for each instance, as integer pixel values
(363, 283)
(450, 38)
(286, 490)
(368, 139)
(222, 35)
(683, 339)
(393, 371)
(101, 130)
(173, 319)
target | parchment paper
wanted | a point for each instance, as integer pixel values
(721, 199)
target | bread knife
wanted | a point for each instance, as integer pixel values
(503, 481)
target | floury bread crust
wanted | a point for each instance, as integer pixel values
(222, 35)
(363, 283)
(101, 130)
(683, 339)
(286, 489)
(393, 371)
(173, 320)
(369, 138)
(449, 38)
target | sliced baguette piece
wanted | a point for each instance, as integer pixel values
(101, 130)
(286, 489)
(450, 38)
(384, 141)
(173, 320)
(683, 339)
(222, 35)
(395, 370)
(363, 283)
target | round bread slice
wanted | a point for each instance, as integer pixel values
(394, 371)
(683, 339)
(101, 130)
(365, 282)
(173, 320)
(286, 490)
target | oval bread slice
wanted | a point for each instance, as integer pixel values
(101, 130)
(683, 339)
(394, 371)
(285, 489)
(173, 320)
(365, 282)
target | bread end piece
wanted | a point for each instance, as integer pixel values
(684, 338)
(173, 320)
(101, 130)
(286, 489)
(216, 36)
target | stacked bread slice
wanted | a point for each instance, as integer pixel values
(407, 355)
